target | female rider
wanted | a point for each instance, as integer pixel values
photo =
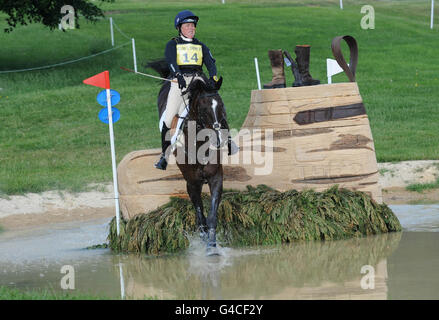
(185, 56)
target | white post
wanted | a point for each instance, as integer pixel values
(134, 55)
(113, 159)
(122, 283)
(257, 73)
(224, 1)
(341, 4)
(432, 14)
(111, 31)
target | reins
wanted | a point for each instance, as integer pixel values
(200, 123)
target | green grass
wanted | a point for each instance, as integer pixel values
(43, 294)
(50, 137)
(420, 187)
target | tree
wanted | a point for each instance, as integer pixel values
(47, 12)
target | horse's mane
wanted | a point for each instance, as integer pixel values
(197, 87)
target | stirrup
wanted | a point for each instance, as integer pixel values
(232, 148)
(162, 163)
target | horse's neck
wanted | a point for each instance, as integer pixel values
(193, 108)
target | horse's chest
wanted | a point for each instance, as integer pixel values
(204, 173)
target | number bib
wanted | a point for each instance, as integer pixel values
(189, 54)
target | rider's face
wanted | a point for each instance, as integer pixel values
(188, 30)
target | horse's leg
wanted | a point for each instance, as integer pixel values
(194, 191)
(216, 190)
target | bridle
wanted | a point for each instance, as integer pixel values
(200, 123)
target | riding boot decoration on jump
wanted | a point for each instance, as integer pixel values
(277, 67)
(163, 162)
(298, 82)
(302, 58)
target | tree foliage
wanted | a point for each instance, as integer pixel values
(47, 12)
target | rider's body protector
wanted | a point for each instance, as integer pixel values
(187, 57)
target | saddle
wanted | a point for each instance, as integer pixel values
(177, 125)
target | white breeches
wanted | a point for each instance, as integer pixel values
(176, 103)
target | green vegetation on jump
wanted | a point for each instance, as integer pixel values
(258, 216)
(50, 135)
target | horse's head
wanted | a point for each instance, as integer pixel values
(207, 109)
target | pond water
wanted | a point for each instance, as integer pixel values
(400, 265)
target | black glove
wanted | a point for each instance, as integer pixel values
(213, 82)
(181, 81)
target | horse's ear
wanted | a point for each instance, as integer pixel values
(219, 83)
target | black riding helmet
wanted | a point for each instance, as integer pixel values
(185, 16)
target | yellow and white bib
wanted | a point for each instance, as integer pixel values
(189, 54)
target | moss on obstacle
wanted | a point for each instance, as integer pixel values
(258, 216)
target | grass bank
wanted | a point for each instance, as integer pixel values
(50, 135)
(420, 187)
(43, 294)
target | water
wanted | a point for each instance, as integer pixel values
(404, 265)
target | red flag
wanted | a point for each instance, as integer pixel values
(101, 80)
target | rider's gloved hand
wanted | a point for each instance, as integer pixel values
(181, 81)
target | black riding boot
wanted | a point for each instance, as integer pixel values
(302, 58)
(163, 162)
(297, 77)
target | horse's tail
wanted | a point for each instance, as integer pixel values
(160, 66)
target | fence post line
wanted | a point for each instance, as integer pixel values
(111, 31)
(134, 55)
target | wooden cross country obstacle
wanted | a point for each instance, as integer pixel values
(312, 137)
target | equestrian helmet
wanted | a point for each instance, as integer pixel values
(185, 16)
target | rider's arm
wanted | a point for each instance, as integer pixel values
(209, 61)
(171, 57)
